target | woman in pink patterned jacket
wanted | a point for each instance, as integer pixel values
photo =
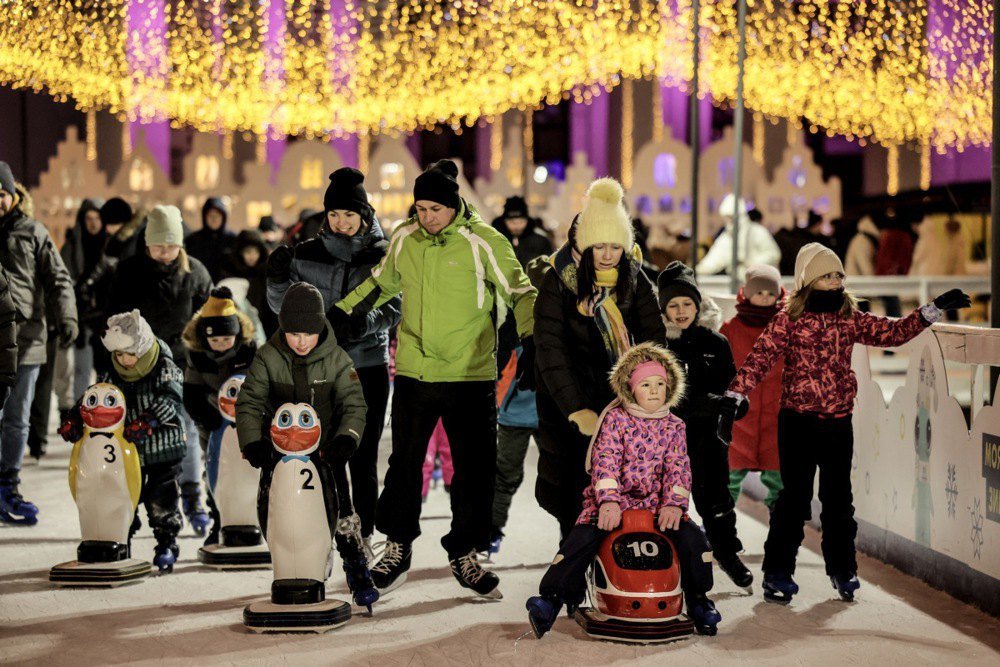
(815, 336)
(637, 460)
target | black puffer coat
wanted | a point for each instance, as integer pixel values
(708, 365)
(572, 370)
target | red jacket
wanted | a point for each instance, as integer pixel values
(817, 350)
(755, 437)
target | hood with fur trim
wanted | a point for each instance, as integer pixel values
(193, 341)
(709, 316)
(640, 354)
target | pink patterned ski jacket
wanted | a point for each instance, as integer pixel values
(817, 350)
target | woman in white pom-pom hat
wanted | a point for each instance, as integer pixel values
(593, 304)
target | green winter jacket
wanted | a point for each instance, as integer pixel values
(325, 379)
(450, 284)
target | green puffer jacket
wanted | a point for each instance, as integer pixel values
(450, 282)
(325, 379)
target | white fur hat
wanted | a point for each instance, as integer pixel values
(604, 218)
(128, 333)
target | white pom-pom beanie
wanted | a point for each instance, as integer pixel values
(604, 218)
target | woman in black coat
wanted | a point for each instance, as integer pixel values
(593, 303)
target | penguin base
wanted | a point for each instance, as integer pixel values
(77, 573)
(318, 617)
(599, 626)
(224, 557)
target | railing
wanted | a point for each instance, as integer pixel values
(921, 288)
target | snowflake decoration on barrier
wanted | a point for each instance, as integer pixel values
(951, 489)
(977, 529)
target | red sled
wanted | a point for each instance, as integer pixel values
(635, 586)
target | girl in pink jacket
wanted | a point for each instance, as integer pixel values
(637, 460)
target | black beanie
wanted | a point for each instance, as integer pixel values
(677, 280)
(515, 207)
(116, 211)
(7, 183)
(267, 224)
(347, 193)
(439, 184)
(302, 310)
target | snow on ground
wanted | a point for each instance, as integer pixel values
(194, 616)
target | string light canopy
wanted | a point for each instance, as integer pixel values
(887, 70)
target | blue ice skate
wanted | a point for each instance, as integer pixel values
(846, 584)
(542, 613)
(779, 588)
(704, 614)
(14, 508)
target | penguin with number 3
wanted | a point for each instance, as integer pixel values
(297, 507)
(105, 480)
(232, 486)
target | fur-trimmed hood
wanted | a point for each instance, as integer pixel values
(709, 316)
(192, 340)
(640, 354)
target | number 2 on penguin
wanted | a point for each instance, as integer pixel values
(307, 485)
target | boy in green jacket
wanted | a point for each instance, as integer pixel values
(302, 363)
(453, 270)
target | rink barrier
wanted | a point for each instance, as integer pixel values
(926, 482)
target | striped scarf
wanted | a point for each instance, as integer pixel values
(603, 307)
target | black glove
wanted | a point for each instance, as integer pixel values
(71, 429)
(67, 332)
(341, 323)
(358, 326)
(279, 263)
(728, 407)
(525, 374)
(258, 453)
(952, 300)
(4, 395)
(140, 429)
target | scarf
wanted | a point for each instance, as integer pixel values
(633, 409)
(825, 301)
(603, 307)
(142, 367)
(756, 316)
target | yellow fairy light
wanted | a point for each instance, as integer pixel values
(627, 133)
(528, 138)
(657, 111)
(126, 140)
(925, 166)
(496, 144)
(227, 146)
(364, 149)
(892, 166)
(260, 150)
(91, 136)
(758, 138)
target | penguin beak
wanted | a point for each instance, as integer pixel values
(228, 407)
(294, 438)
(102, 417)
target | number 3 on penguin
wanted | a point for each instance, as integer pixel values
(112, 456)
(307, 485)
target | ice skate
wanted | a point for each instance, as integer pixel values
(779, 588)
(736, 570)
(702, 611)
(14, 508)
(389, 572)
(846, 584)
(351, 547)
(193, 509)
(471, 574)
(165, 555)
(542, 614)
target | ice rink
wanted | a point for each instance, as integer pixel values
(194, 616)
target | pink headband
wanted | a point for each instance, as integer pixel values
(645, 370)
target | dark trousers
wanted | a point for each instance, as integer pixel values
(710, 487)
(469, 413)
(805, 443)
(41, 406)
(512, 446)
(565, 579)
(364, 463)
(161, 498)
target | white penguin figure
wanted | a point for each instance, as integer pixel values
(232, 481)
(299, 526)
(104, 473)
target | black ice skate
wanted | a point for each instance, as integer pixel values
(193, 509)
(846, 584)
(779, 588)
(704, 614)
(736, 570)
(471, 574)
(165, 555)
(390, 571)
(542, 613)
(352, 549)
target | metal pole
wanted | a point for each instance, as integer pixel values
(995, 198)
(695, 127)
(734, 278)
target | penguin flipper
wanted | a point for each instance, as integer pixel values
(133, 470)
(74, 462)
(330, 491)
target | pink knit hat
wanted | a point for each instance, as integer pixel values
(645, 370)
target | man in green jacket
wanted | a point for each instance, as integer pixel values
(452, 269)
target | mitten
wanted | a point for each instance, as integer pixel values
(71, 429)
(258, 453)
(279, 264)
(585, 421)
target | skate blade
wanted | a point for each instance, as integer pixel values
(394, 585)
(776, 599)
(495, 594)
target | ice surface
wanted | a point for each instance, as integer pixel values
(193, 616)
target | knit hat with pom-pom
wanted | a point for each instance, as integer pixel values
(604, 218)
(218, 317)
(439, 183)
(346, 192)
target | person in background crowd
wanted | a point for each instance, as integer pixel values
(895, 254)
(8, 339)
(168, 287)
(37, 276)
(272, 233)
(213, 241)
(249, 261)
(756, 245)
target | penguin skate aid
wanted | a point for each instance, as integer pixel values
(302, 385)
(232, 486)
(651, 558)
(105, 479)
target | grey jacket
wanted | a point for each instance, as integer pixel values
(37, 275)
(335, 265)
